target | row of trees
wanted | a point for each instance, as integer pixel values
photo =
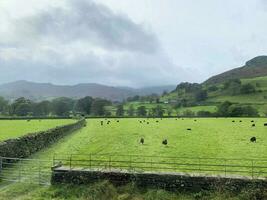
(57, 107)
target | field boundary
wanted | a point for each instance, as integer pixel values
(176, 181)
(247, 168)
(28, 144)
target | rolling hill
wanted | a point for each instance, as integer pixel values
(255, 67)
(41, 91)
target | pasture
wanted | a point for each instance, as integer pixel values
(16, 128)
(208, 138)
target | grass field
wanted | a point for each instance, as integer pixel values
(208, 138)
(16, 128)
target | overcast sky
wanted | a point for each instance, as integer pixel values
(128, 42)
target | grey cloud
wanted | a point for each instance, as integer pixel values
(91, 23)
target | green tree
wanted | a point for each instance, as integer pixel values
(98, 107)
(84, 105)
(141, 111)
(158, 111)
(120, 110)
(42, 108)
(201, 95)
(62, 106)
(247, 89)
(131, 111)
(21, 107)
(223, 109)
(3, 104)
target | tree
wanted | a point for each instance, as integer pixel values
(141, 111)
(130, 111)
(3, 104)
(247, 89)
(201, 95)
(98, 107)
(157, 111)
(120, 110)
(223, 109)
(84, 105)
(62, 106)
(42, 108)
(242, 111)
(21, 107)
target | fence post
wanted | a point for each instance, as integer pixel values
(39, 170)
(199, 165)
(109, 164)
(130, 162)
(252, 169)
(90, 161)
(225, 167)
(70, 160)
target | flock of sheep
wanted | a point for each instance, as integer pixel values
(165, 141)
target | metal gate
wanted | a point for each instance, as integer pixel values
(25, 170)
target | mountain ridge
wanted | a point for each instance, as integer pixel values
(255, 67)
(41, 91)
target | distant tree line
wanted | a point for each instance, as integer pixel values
(57, 107)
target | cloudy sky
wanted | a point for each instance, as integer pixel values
(128, 42)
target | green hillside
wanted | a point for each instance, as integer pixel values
(255, 67)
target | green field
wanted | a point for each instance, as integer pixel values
(209, 137)
(16, 128)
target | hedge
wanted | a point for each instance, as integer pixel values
(28, 144)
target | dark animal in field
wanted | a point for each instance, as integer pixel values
(252, 121)
(140, 122)
(147, 122)
(165, 142)
(265, 124)
(253, 139)
(233, 121)
(157, 121)
(101, 123)
(253, 125)
(142, 140)
(195, 120)
(118, 120)
(240, 121)
(189, 129)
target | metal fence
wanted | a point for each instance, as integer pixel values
(39, 171)
(25, 170)
(252, 168)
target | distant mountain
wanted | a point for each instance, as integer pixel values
(253, 68)
(40, 91)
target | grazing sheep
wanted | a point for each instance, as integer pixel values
(195, 120)
(140, 122)
(265, 124)
(253, 139)
(253, 125)
(142, 140)
(118, 120)
(233, 121)
(157, 121)
(252, 121)
(240, 121)
(102, 123)
(189, 129)
(165, 142)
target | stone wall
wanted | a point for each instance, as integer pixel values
(28, 144)
(170, 181)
